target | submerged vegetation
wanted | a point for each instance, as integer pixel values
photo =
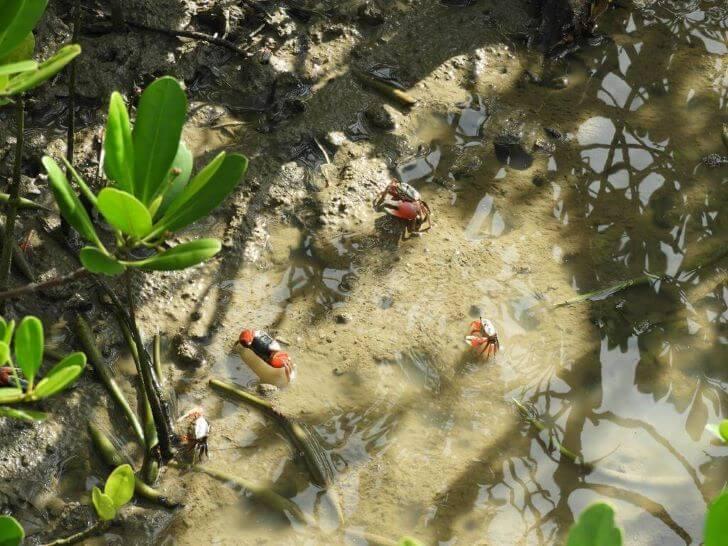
(137, 210)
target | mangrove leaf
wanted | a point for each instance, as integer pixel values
(96, 261)
(124, 212)
(118, 145)
(29, 346)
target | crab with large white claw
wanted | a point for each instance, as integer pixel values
(403, 201)
(483, 338)
(194, 441)
(264, 355)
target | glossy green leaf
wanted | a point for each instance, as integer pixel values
(4, 353)
(96, 261)
(22, 52)
(180, 257)
(716, 522)
(8, 329)
(28, 346)
(28, 80)
(69, 203)
(57, 382)
(118, 145)
(23, 415)
(15, 68)
(204, 192)
(103, 504)
(723, 429)
(160, 118)
(10, 394)
(11, 532)
(61, 376)
(183, 161)
(3, 329)
(595, 527)
(120, 485)
(17, 19)
(125, 212)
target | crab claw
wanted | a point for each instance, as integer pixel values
(282, 360)
(246, 338)
(408, 210)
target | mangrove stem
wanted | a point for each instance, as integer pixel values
(160, 409)
(6, 256)
(113, 458)
(260, 493)
(23, 203)
(316, 460)
(85, 336)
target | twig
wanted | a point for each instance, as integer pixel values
(56, 281)
(90, 531)
(84, 335)
(6, 256)
(23, 203)
(195, 35)
(383, 87)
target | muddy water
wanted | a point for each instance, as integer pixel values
(423, 439)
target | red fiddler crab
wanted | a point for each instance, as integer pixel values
(403, 201)
(194, 441)
(483, 339)
(264, 355)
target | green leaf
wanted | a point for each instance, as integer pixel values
(23, 415)
(8, 331)
(408, 541)
(204, 192)
(160, 118)
(4, 353)
(96, 261)
(29, 347)
(595, 527)
(103, 504)
(723, 429)
(11, 532)
(15, 68)
(10, 394)
(716, 522)
(17, 19)
(61, 376)
(85, 190)
(118, 145)
(68, 202)
(120, 485)
(184, 162)
(28, 80)
(22, 52)
(125, 212)
(180, 257)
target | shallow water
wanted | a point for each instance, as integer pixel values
(425, 441)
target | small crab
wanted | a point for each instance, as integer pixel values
(194, 441)
(403, 201)
(483, 338)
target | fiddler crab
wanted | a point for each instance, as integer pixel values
(403, 201)
(483, 339)
(194, 441)
(264, 355)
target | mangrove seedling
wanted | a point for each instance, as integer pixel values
(118, 490)
(19, 368)
(11, 532)
(150, 196)
(19, 73)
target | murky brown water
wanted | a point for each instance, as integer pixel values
(426, 442)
